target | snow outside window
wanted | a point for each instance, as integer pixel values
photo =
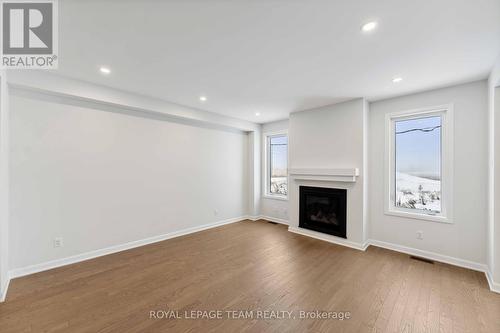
(419, 175)
(277, 166)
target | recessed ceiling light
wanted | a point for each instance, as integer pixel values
(369, 26)
(397, 79)
(257, 114)
(203, 98)
(104, 70)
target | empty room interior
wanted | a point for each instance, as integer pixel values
(250, 166)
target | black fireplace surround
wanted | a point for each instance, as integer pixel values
(323, 209)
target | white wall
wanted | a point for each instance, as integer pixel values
(62, 86)
(254, 172)
(331, 137)
(4, 185)
(271, 207)
(100, 178)
(494, 175)
(466, 238)
(494, 255)
(275, 126)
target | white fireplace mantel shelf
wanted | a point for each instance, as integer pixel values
(333, 175)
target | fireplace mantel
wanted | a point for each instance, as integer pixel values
(334, 175)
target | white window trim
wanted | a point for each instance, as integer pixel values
(446, 112)
(267, 171)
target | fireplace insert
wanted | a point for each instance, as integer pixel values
(323, 210)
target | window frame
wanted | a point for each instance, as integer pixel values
(446, 113)
(267, 167)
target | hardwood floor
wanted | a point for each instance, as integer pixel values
(251, 266)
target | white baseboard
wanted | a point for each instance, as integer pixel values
(431, 255)
(268, 218)
(3, 290)
(18, 272)
(273, 219)
(327, 238)
(399, 248)
(494, 286)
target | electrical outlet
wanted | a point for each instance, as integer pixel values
(216, 212)
(58, 242)
(420, 234)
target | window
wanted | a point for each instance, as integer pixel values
(419, 155)
(276, 165)
(418, 164)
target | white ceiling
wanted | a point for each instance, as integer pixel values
(276, 57)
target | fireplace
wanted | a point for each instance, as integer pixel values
(323, 209)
